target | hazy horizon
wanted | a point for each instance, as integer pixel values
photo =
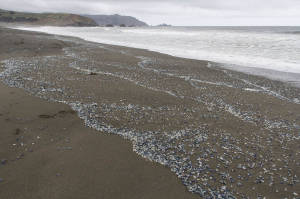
(175, 12)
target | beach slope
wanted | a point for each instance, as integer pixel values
(219, 132)
(47, 152)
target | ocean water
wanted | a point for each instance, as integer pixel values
(249, 49)
(274, 48)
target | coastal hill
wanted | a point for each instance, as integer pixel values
(116, 20)
(51, 19)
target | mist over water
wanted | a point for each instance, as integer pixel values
(272, 48)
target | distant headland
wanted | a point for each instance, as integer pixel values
(68, 19)
(116, 20)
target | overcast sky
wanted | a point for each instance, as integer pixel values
(175, 12)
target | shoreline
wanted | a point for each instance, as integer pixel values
(134, 83)
(285, 77)
(272, 74)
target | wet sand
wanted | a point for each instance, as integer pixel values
(222, 133)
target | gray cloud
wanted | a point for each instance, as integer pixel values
(177, 12)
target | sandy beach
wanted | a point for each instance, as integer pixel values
(47, 152)
(160, 126)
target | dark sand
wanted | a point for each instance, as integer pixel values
(60, 157)
(224, 131)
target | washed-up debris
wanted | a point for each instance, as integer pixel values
(218, 140)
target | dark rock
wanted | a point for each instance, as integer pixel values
(3, 161)
(18, 131)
